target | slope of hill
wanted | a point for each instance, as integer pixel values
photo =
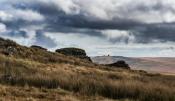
(32, 74)
(159, 64)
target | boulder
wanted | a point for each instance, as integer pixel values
(38, 47)
(75, 52)
(7, 47)
(119, 64)
(6, 43)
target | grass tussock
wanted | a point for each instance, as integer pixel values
(88, 80)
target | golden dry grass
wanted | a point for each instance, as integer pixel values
(86, 80)
(34, 74)
(26, 93)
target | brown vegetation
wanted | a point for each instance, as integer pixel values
(89, 81)
(48, 73)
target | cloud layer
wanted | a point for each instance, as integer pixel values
(108, 22)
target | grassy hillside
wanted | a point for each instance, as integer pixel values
(34, 74)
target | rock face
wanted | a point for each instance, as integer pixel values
(76, 52)
(38, 47)
(119, 64)
(7, 47)
(6, 43)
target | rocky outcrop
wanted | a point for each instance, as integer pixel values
(7, 47)
(76, 52)
(6, 43)
(38, 47)
(119, 64)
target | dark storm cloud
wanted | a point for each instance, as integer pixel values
(43, 40)
(162, 32)
(17, 34)
(57, 19)
(139, 18)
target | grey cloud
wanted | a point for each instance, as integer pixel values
(133, 17)
(17, 34)
(161, 32)
(43, 40)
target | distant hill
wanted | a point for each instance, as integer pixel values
(159, 64)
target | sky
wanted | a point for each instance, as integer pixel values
(132, 28)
